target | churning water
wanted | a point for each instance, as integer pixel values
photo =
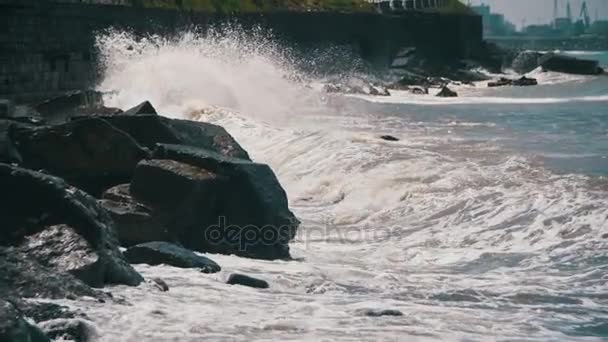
(487, 220)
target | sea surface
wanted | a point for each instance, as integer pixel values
(487, 221)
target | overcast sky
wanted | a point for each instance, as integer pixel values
(541, 11)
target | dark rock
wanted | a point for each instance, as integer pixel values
(22, 276)
(380, 313)
(447, 92)
(157, 253)
(260, 209)
(44, 216)
(148, 130)
(526, 61)
(241, 279)
(14, 328)
(389, 138)
(569, 65)
(501, 82)
(142, 108)
(60, 108)
(520, 82)
(160, 284)
(184, 198)
(7, 108)
(89, 153)
(525, 82)
(492, 57)
(61, 248)
(135, 222)
(76, 330)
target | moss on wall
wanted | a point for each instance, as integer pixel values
(243, 6)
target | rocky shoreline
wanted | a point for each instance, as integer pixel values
(83, 182)
(418, 73)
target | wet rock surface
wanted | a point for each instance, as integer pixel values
(259, 216)
(134, 221)
(520, 82)
(380, 312)
(58, 241)
(526, 61)
(245, 280)
(89, 153)
(41, 209)
(157, 253)
(149, 130)
(389, 138)
(61, 108)
(569, 65)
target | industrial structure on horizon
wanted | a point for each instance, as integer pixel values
(566, 22)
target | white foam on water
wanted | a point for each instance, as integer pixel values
(469, 240)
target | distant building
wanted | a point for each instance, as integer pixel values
(494, 24)
(599, 27)
(539, 30)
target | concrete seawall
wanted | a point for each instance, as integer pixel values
(47, 47)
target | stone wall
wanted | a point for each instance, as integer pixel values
(47, 48)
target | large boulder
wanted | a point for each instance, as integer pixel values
(526, 61)
(61, 108)
(148, 130)
(184, 199)
(14, 328)
(89, 153)
(135, 222)
(212, 203)
(61, 227)
(158, 252)
(569, 65)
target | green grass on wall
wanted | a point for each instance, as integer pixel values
(258, 5)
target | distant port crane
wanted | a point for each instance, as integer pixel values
(585, 14)
(568, 22)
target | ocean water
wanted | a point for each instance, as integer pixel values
(487, 221)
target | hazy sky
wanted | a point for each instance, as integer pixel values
(541, 11)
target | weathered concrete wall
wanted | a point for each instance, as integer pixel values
(48, 48)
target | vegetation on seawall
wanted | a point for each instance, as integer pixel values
(248, 6)
(242, 6)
